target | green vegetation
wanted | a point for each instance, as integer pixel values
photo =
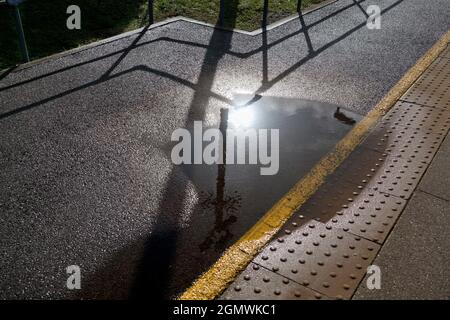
(45, 20)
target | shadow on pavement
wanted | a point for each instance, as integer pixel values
(210, 47)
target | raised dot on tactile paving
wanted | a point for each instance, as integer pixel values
(266, 279)
(255, 267)
(257, 290)
(277, 292)
(237, 288)
(290, 250)
(275, 269)
(247, 277)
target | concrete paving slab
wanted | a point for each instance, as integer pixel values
(320, 257)
(414, 261)
(436, 180)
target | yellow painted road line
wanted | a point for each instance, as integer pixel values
(214, 281)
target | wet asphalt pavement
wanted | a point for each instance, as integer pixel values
(86, 174)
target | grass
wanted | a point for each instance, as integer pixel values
(44, 21)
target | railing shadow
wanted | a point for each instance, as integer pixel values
(135, 44)
(196, 86)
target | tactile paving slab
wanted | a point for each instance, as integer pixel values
(433, 87)
(360, 167)
(404, 142)
(325, 202)
(371, 215)
(321, 257)
(258, 283)
(398, 177)
(394, 175)
(417, 117)
(364, 205)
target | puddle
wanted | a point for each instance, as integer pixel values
(233, 197)
(238, 195)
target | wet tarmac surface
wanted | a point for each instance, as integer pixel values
(86, 175)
